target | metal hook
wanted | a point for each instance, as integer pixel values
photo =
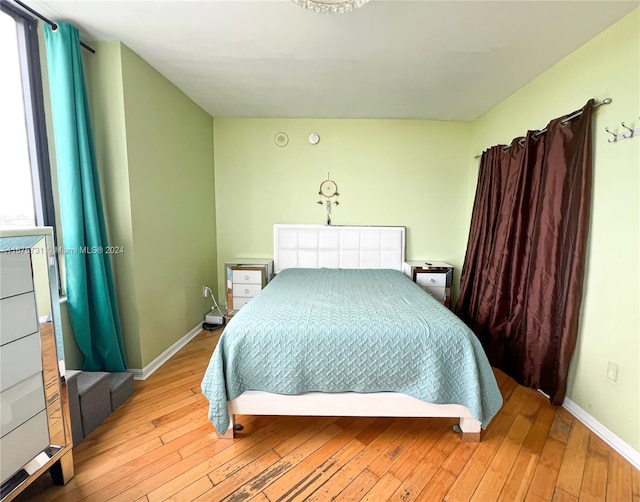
(615, 136)
(628, 129)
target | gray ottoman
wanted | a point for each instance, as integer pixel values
(71, 378)
(121, 388)
(95, 399)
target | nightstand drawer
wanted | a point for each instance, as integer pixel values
(246, 290)
(431, 279)
(240, 301)
(247, 277)
(438, 293)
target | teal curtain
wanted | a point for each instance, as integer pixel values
(90, 293)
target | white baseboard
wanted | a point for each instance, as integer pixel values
(149, 369)
(603, 433)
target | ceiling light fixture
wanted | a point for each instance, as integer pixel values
(330, 6)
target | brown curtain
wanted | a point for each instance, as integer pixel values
(521, 283)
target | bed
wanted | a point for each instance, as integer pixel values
(340, 331)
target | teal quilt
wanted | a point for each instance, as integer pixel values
(338, 330)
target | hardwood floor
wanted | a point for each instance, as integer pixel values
(160, 446)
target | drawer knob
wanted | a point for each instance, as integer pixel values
(432, 279)
(246, 277)
(246, 291)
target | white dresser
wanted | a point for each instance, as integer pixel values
(32, 419)
(246, 277)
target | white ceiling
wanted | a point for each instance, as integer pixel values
(439, 60)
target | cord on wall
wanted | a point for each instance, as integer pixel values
(207, 292)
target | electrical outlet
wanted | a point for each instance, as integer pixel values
(205, 291)
(612, 371)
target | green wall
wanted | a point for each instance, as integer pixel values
(155, 158)
(389, 172)
(607, 66)
(171, 182)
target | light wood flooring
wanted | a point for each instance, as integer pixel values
(160, 446)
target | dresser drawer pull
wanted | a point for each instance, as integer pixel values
(246, 291)
(246, 277)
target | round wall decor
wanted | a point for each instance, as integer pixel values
(281, 139)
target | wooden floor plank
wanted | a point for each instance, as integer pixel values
(517, 483)
(302, 472)
(595, 478)
(358, 488)
(218, 466)
(383, 489)
(397, 448)
(308, 425)
(159, 445)
(560, 495)
(572, 468)
(620, 483)
(561, 427)
(539, 432)
(438, 486)
(544, 478)
(192, 491)
(635, 475)
(325, 472)
(425, 443)
(497, 472)
(229, 484)
(360, 462)
(483, 453)
(285, 464)
(413, 485)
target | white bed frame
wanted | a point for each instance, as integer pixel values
(319, 246)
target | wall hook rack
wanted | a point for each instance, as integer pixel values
(623, 135)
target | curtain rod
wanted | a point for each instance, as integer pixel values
(539, 133)
(53, 25)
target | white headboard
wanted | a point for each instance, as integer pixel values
(322, 246)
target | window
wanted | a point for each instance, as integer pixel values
(26, 197)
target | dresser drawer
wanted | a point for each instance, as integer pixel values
(22, 444)
(438, 293)
(19, 360)
(431, 279)
(246, 290)
(21, 402)
(16, 274)
(18, 317)
(247, 277)
(240, 301)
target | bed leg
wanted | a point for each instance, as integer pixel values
(229, 433)
(470, 429)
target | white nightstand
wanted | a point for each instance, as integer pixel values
(435, 277)
(246, 277)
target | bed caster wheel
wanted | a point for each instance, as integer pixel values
(238, 427)
(456, 428)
